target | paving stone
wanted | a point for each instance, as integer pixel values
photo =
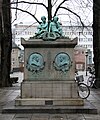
(91, 117)
(91, 97)
(21, 119)
(6, 116)
(58, 117)
(40, 117)
(75, 117)
(97, 96)
(22, 116)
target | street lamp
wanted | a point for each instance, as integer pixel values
(86, 54)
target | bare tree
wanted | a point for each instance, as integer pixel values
(48, 8)
(5, 42)
(96, 39)
(0, 39)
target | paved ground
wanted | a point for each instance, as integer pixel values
(8, 94)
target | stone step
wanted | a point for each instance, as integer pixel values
(88, 108)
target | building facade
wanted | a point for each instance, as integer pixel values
(79, 53)
(22, 31)
(85, 38)
(15, 54)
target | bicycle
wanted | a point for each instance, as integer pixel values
(83, 89)
(91, 79)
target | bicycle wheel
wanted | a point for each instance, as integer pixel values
(83, 90)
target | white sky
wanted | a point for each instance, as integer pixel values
(82, 7)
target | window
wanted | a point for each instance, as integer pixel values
(16, 32)
(89, 33)
(13, 59)
(89, 39)
(76, 52)
(13, 51)
(82, 52)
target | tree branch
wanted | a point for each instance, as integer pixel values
(59, 7)
(30, 3)
(27, 13)
(54, 3)
(74, 14)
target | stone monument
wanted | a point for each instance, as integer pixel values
(49, 68)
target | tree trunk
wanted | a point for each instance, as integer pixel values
(6, 43)
(96, 39)
(49, 10)
(0, 39)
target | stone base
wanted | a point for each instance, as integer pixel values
(88, 108)
(49, 93)
(49, 89)
(32, 101)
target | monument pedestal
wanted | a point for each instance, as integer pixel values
(49, 72)
(49, 93)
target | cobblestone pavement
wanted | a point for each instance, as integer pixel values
(8, 94)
